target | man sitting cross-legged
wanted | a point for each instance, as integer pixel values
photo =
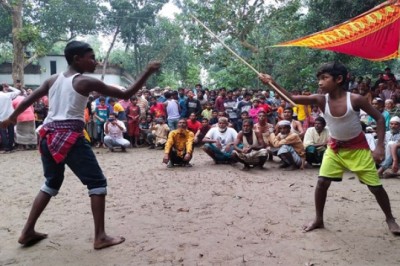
(315, 141)
(179, 147)
(291, 148)
(114, 130)
(249, 147)
(219, 141)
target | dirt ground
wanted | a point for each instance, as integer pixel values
(205, 215)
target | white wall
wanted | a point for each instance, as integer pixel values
(61, 66)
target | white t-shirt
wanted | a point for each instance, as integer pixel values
(225, 138)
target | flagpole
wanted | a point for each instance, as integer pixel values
(244, 61)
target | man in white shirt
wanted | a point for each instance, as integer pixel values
(219, 142)
(315, 141)
(114, 130)
(7, 94)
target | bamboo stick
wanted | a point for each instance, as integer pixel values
(243, 61)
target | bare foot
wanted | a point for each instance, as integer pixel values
(30, 239)
(313, 225)
(108, 242)
(393, 227)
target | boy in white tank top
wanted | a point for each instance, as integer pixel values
(62, 142)
(348, 148)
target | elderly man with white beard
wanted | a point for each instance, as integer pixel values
(392, 137)
(249, 147)
(219, 142)
(291, 149)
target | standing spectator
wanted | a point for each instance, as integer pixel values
(133, 114)
(25, 129)
(193, 105)
(157, 109)
(219, 102)
(230, 105)
(172, 109)
(7, 94)
(101, 115)
(40, 110)
(142, 103)
(207, 112)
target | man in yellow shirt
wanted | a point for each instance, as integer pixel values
(179, 147)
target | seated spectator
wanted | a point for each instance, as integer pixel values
(192, 123)
(249, 147)
(379, 105)
(290, 147)
(391, 108)
(315, 141)
(145, 125)
(201, 133)
(394, 156)
(392, 137)
(264, 128)
(114, 130)
(296, 126)
(219, 141)
(179, 147)
(159, 134)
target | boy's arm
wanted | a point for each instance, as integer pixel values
(300, 99)
(85, 85)
(238, 140)
(28, 101)
(360, 102)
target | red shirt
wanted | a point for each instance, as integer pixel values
(158, 110)
(219, 104)
(265, 107)
(193, 126)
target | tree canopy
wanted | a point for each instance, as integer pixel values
(35, 28)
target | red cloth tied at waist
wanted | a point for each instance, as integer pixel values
(359, 142)
(61, 136)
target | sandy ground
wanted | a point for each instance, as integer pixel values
(205, 215)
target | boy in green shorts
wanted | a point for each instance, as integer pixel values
(347, 148)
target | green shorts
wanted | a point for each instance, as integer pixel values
(358, 161)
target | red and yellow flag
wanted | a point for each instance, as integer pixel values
(373, 35)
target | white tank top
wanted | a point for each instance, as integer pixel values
(172, 109)
(64, 102)
(345, 127)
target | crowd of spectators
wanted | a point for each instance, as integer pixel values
(249, 126)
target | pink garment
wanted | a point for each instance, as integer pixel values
(253, 113)
(28, 114)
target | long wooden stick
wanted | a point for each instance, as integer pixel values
(244, 61)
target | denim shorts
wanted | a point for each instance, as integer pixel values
(81, 160)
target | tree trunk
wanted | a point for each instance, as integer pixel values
(18, 46)
(103, 73)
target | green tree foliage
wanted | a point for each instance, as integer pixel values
(266, 25)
